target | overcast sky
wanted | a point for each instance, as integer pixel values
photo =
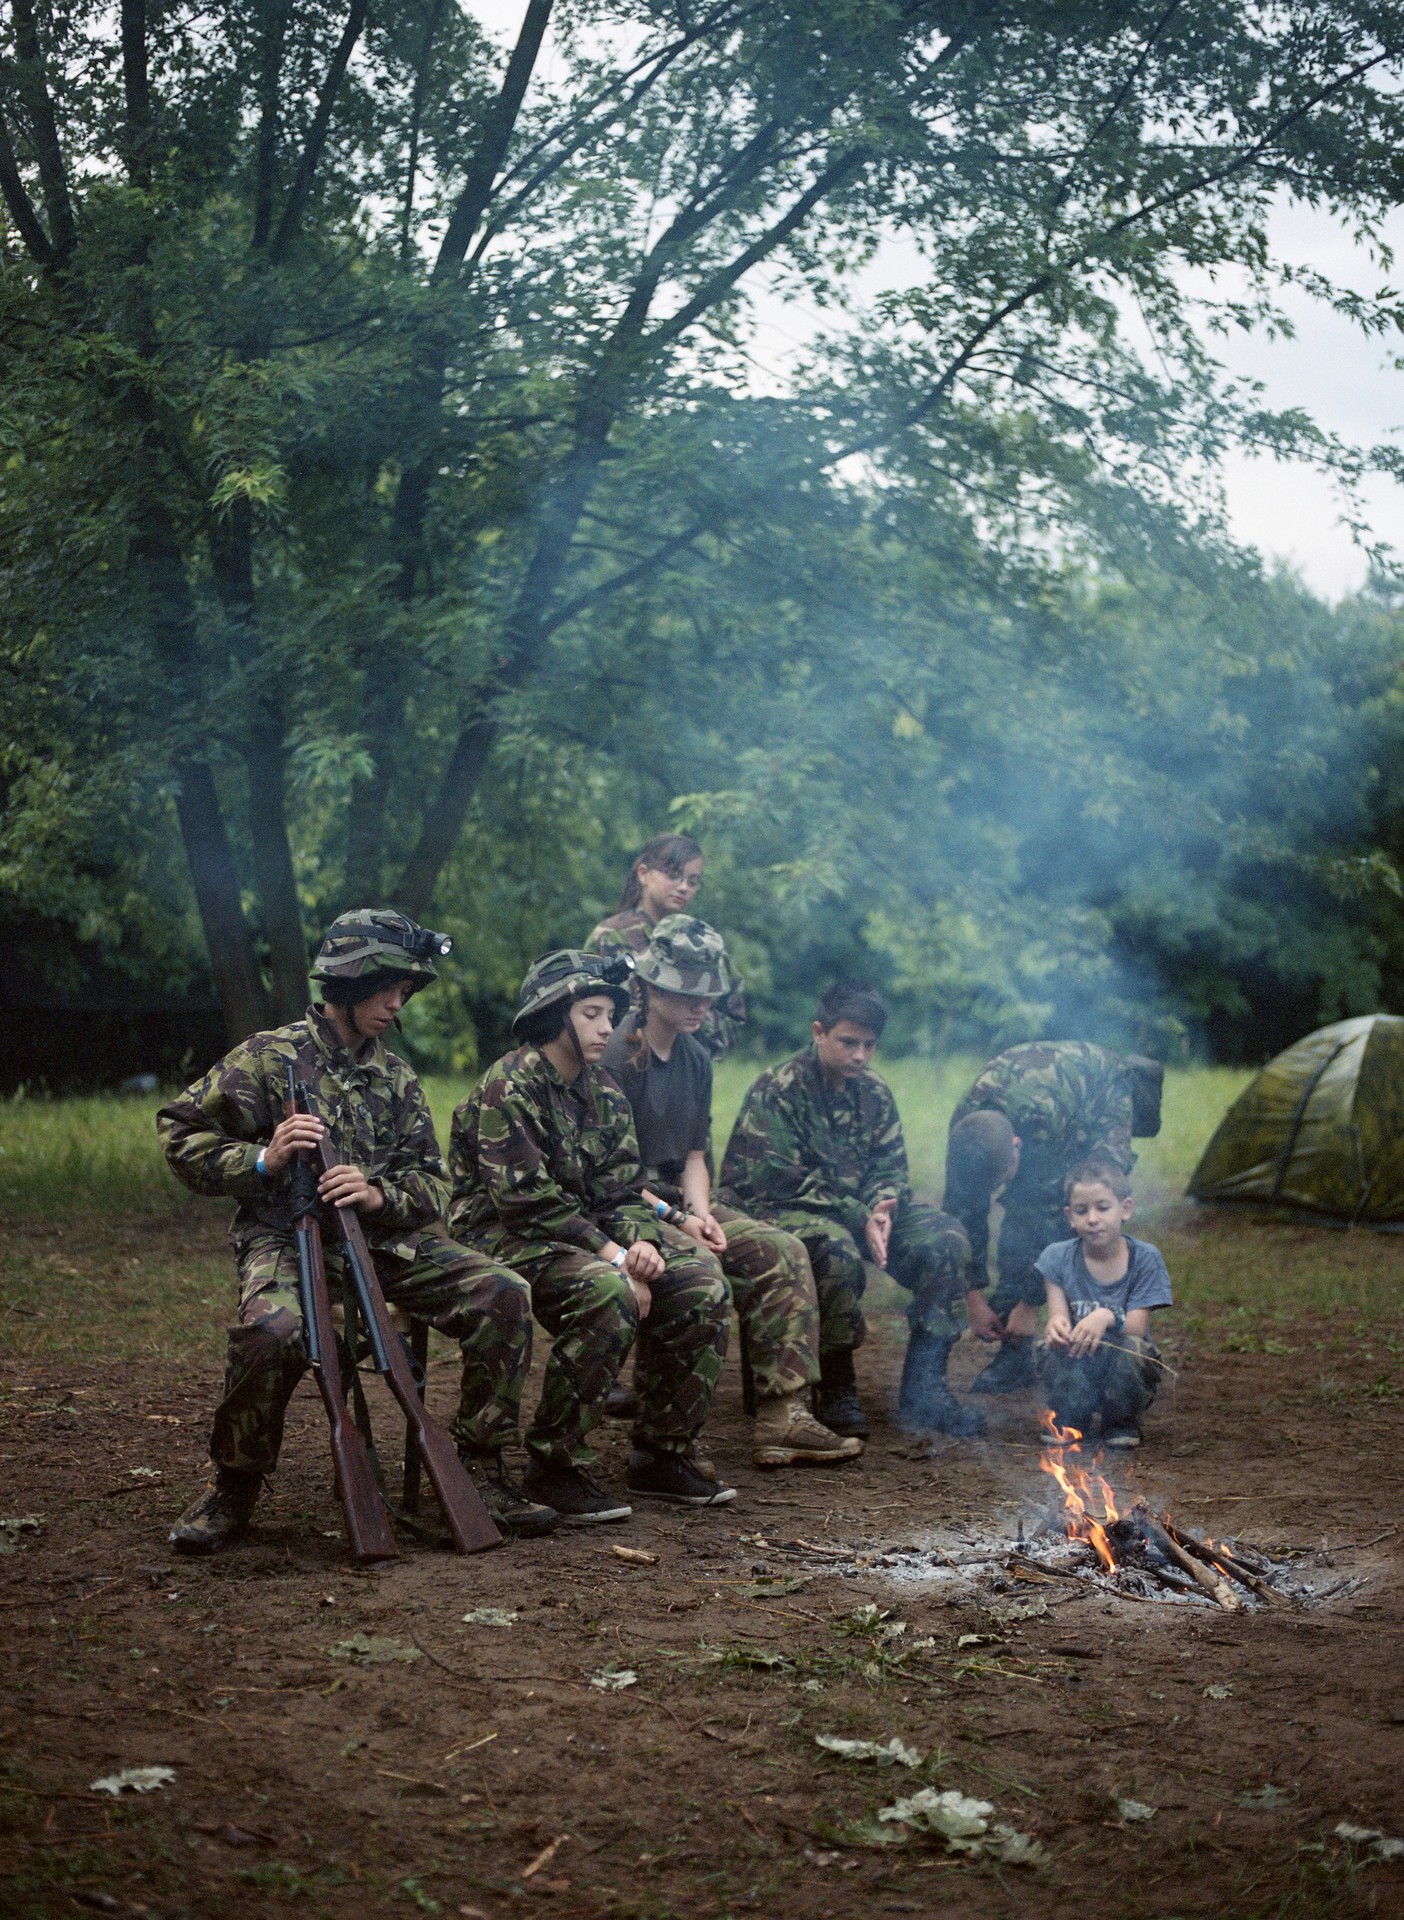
(1347, 382)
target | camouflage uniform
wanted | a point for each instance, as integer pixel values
(1066, 1100)
(818, 1160)
(629, 932)
(545, 1173)
(377, 1119)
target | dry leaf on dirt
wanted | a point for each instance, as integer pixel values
(965, 1826)
(1133, 1809)
(614, 1679)
(144, 1473)
(1218, 1693)
(372, 1650)
(12, 1530)
(1266, 1796)
(135, 1780)
(889, 1754)
(490, 1617)
(1380, 1845)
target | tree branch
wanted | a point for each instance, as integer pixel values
(492, 148)
(421, 81)
(301, 190)
(27, 222)
(274, 20)
(136, 90)
(43, 127)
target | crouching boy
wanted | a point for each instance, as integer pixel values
(1102, 1287)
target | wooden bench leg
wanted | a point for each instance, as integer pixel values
(418, 1344)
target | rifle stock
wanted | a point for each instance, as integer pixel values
(469, 1522)
(367, 1523)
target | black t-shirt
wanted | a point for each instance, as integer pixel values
(671, 1100)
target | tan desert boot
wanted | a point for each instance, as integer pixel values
(788, 1435)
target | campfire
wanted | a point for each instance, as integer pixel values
(1134, 1540)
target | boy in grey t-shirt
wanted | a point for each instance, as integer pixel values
(1101, 1287)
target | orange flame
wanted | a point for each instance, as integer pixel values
(1081, 1490)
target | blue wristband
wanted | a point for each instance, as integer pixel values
(259, 1168)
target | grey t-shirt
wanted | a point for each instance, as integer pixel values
(671, 1100)
(1146, 1283)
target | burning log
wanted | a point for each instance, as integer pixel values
(1212, 1582)
(1226, 1562)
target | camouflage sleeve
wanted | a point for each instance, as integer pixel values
(768, 1164)
(608, 939)
(1105, 1120)
(212, 1134)
(413, 1179)
(514, 1171)
(886, 1176)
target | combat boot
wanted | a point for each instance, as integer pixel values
(221, 1515)
(1011, 1370)
(512, 1512)
(788, 1435)
(925, 1403)
(839, 1408)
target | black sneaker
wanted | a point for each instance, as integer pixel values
(511, 1510)
(220, 1516)
(621, 1402)
(672, 1476)
(575, 1495)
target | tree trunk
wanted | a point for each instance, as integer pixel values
(216, 885)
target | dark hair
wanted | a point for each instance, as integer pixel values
(347, 994)
(1097, 1171)
(670, 851)
(852, 1000)
(978, 1156)
(535, 1029)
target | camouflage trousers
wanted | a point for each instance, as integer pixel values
(1119, 1381)
(1023, 1234)
(928, 1255)
(472, 1299)
(773, 1288)
(589, 1309)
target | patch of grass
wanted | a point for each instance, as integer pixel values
(61, 1159)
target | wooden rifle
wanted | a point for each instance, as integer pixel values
(367, 1523)
(469, 1522)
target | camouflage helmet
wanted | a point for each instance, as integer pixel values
(685, 955)
(377, 940)
(570, 974)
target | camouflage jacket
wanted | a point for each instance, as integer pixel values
(630, 929)
(373, 1105)
(799, 1142)
(1065, 1099)
(529, 1161)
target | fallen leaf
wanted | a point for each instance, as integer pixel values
(976, 1640)
(1380, 1845)
(965, 1826)
(1218, 1693)
(771, 1588)
(1266, 1796)
(890, 1754)
(372, 1650)
(11, 1529)
(144, 1473)
(1133, 1809)
(614, 1679)
(635, 1556)
(490, 1617)
(138, 1779)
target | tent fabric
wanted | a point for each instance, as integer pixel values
(1321, 1127)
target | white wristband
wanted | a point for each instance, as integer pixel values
(619, 1259)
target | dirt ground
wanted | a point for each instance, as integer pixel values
(438, 1781)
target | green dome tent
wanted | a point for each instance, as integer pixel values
(1322, 1127)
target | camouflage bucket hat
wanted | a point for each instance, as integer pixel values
(685, 955)
(569, 974)
(379, 940)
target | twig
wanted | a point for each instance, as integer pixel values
(545, 1857)
(1219, 1557)
(736, 1807)
(457, 1672)
(1213, 1584)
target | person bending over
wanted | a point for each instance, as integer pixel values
(227, 1137)
(1102, 1287)
(1031, 1113)
(546, 1175)
(663, 878)
(666, 1076)
(817, 1148)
